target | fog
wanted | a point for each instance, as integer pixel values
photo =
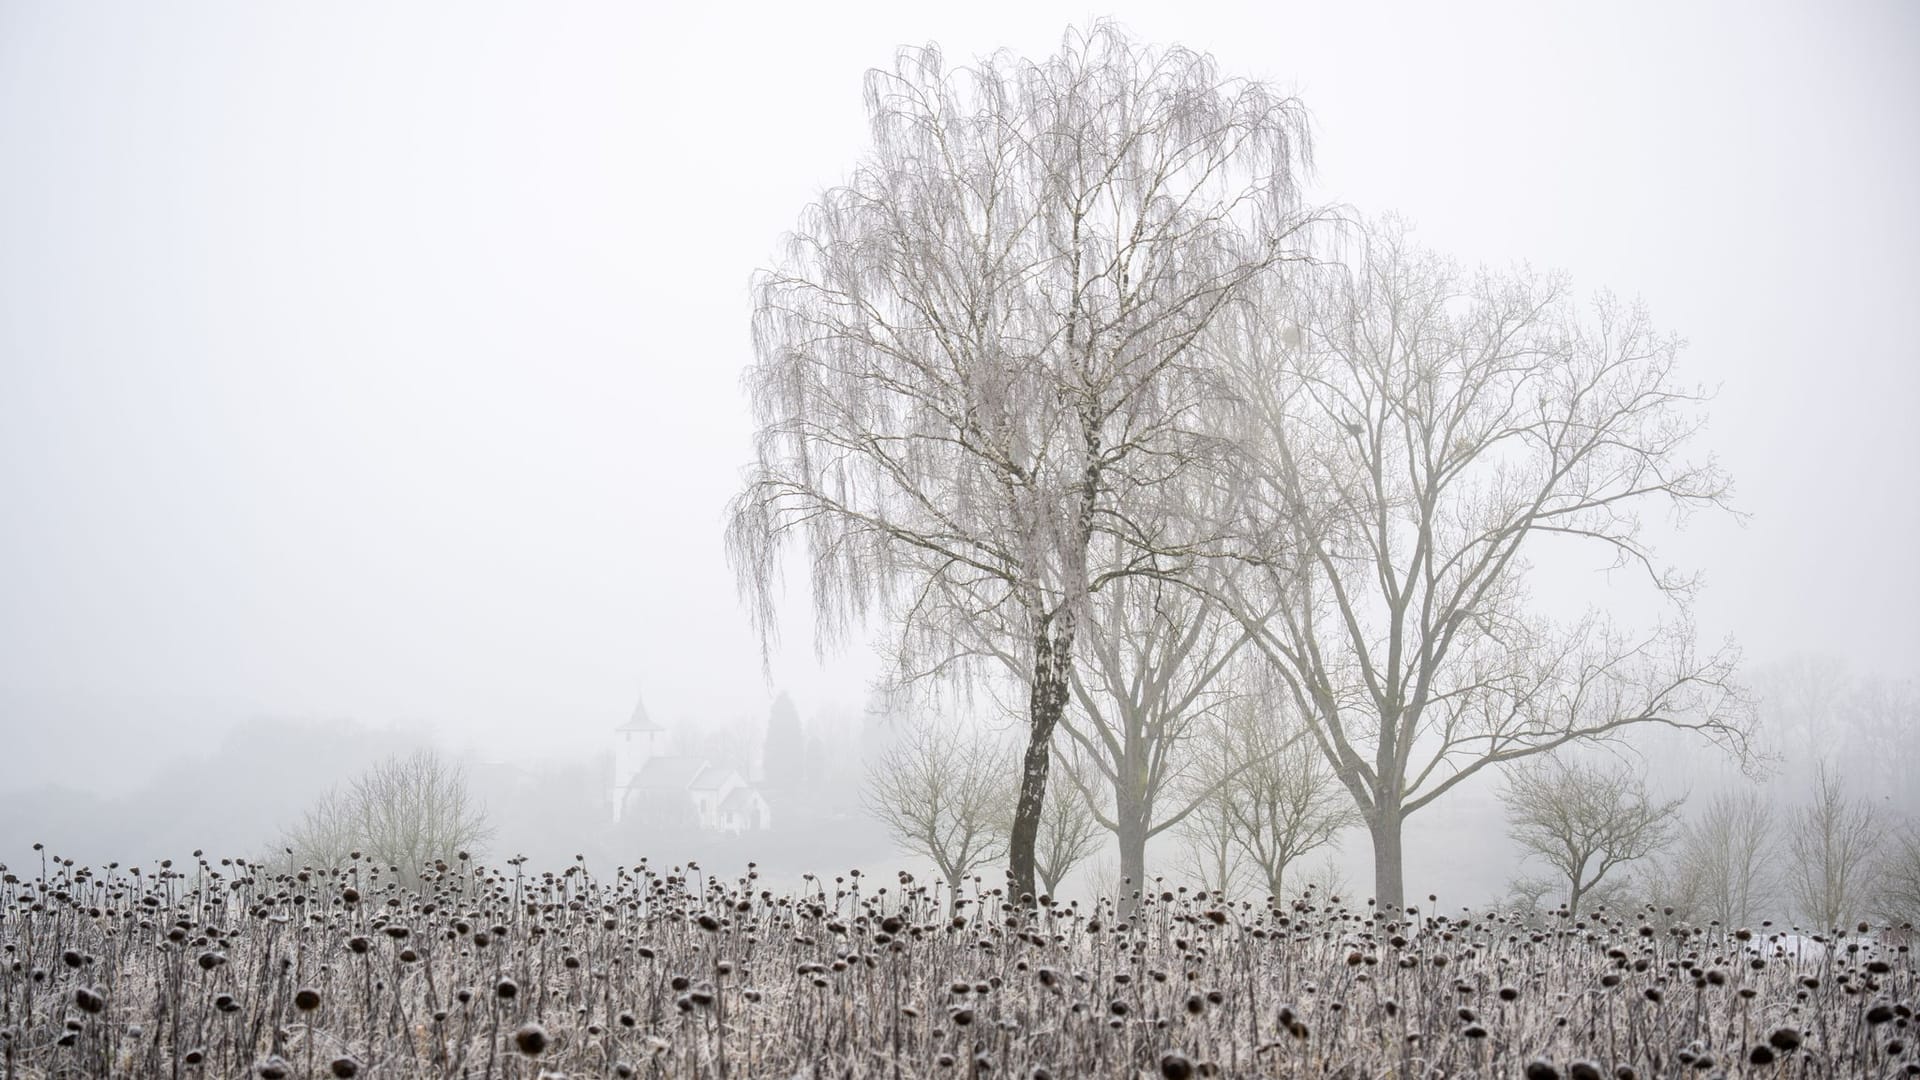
(370, 375)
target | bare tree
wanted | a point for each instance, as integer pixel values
(407, 812)
(326, 834)
(1674, 892)
(1884, 718)
(1327, 882)
(1069, 833)
(1727, 855)
(1800, 700)
(942, 793)
(1210, 851)
(975, 368)
(1412, 438)
(1833, 844)
(1151, 682)
(1257, 795)
(1619, 892)
(1103, 873)
(1864, 726)
(1526, 895)
(1900, 876)
(1585, 820)
(1281, 795)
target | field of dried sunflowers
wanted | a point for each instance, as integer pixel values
(223, 968)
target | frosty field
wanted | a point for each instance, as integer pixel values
(213, 968)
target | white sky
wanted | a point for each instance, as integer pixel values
(381, 360)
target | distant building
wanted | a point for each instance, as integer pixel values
(678, 788)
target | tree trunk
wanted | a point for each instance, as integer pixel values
(1026, 811)
(1388, 893)
(1133, 859)
(1130, 814)
(1046, 703)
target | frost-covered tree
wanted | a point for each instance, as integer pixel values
(1900, 876)
(406, 812)
(942, 793)
(1585, 820)
(1727, 855)
(975, 377)
(1863, 725)
(1069, 833)
(1152, 681)
(1413, 437)
(1209, 851)
(1833, 851)
(1280, 794)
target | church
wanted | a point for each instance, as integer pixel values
(655, 788)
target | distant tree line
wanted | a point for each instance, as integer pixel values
(1827, 861)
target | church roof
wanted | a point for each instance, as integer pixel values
(671, 773)
(713, 778)
(739, 800)
(640, 721)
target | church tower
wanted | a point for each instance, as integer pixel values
(633, 747)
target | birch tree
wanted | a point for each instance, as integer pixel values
(975, 369)
(1414, 437)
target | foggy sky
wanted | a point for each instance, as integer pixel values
(382, 361)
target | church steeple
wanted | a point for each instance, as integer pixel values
(633, 747)
(639, 721)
